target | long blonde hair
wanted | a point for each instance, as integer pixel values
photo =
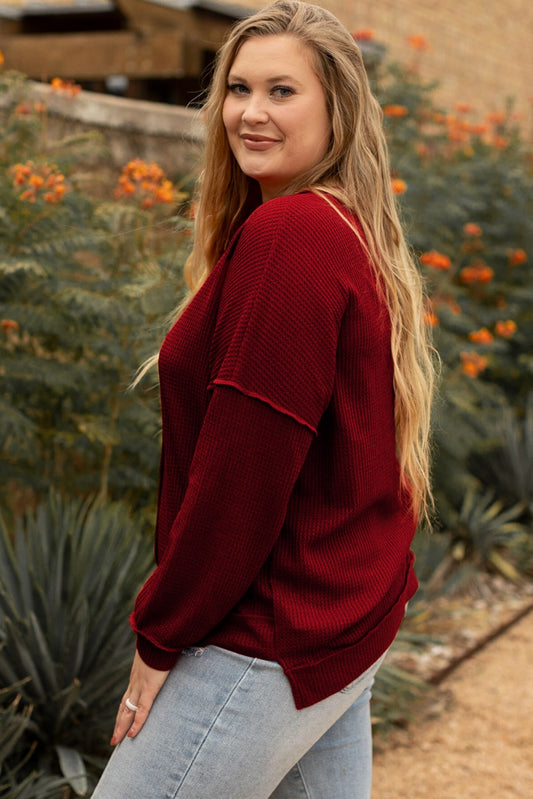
(356, 171)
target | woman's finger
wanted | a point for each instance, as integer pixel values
(124, 720)
(145, 683)
(139, 717)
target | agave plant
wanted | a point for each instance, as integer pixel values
(508, 466)
(489, 533)
(394, 695)
(68, 574)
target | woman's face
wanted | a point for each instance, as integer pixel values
(275, 112)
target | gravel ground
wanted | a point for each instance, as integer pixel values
(474, 739)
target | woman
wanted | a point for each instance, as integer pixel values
(295, 392)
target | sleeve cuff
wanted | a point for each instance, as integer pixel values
(154, 657)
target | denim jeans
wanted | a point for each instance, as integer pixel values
(224, 726)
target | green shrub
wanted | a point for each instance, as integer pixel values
(83, 284)
(465, 187)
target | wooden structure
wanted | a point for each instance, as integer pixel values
(90, 40)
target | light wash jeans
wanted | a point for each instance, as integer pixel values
(224, 726)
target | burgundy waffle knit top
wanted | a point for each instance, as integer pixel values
(281, 531)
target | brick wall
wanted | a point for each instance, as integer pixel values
(481, 50)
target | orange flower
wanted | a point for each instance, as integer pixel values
(9, 325)
(500, 142)
(363, 35)
(431, 319)
(418, 42)
(147, 182)
(34, 178)
(479, 129)
(481, 336)
(463, 108)
(165, 192)
(473, 230)
(29, 195)
(517, 257)
(505, 329)
(58, 190)
(65, 87)
(53, 179)
(473, 363)
(125, 186)
(476, 273)
(455, 134)
(22, 171)
(496, 117)
(436, 259)
(395, 111)
(138, 170)
(23, 109)
(1, 58)
(398, 186)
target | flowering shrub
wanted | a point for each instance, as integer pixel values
(464, 184)
(146, 183)
(44, 182)
(79, 279)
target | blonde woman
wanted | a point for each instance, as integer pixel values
(295, 393)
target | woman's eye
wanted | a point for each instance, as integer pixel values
(282, 91)
(237, 88)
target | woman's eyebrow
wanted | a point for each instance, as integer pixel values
(271, 79)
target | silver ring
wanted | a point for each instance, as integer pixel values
(131, 706)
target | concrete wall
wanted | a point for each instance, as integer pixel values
(169, 135)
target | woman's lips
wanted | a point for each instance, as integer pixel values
(254, 142)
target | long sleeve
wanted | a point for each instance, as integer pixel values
(246, 462)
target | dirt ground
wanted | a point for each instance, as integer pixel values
(474, 738)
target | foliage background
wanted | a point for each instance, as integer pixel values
(89, 272)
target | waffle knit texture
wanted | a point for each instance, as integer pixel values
(281, 530)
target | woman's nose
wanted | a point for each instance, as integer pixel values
(255, 110)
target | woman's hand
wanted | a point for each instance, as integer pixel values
(144, 685)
